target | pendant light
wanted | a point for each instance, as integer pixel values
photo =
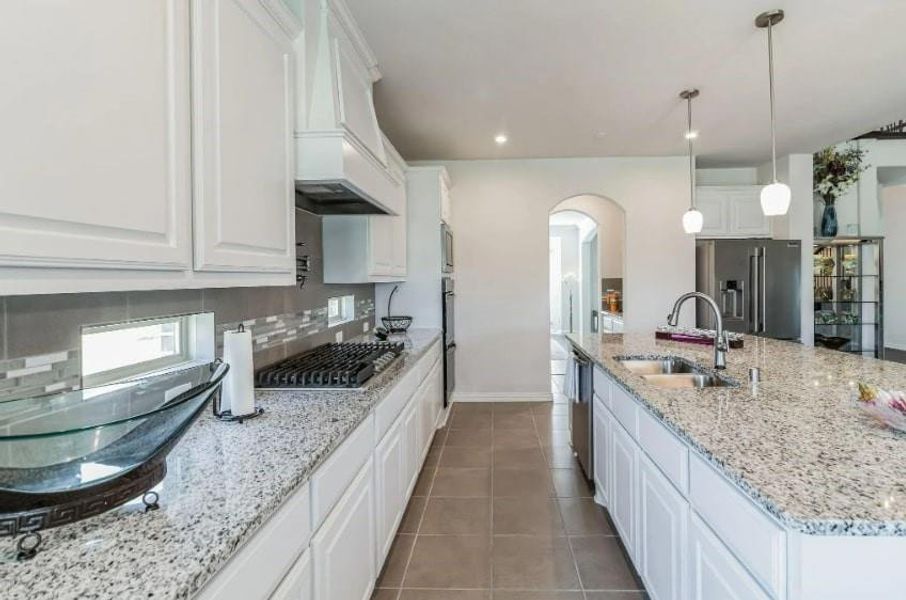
(775, 197)
(693, 219)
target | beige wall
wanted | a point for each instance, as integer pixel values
(611, 225)
(500, 219)
(893, 204)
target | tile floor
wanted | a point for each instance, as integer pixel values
(501, 511)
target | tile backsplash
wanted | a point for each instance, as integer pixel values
(40, 335)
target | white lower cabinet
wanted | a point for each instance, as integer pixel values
(623, 503)
(297, 583)
(663, 517)
(601, 435)
(390, 486)
(714, 573)
(430, 404)
(412, 446)
(343, 550)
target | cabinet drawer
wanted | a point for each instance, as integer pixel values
(390, 407)
(625, 409)
(752, 535)
(667, 451)
(333, 477)
(602, 385)
(257, 568)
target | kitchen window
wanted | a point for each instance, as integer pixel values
(340, 309)
(123, 350)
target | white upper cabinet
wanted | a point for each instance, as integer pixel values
(147, 144)
(244, 121)
(95, 159)
(732, 212)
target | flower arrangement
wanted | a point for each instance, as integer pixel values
(887, 407)
(835, 171)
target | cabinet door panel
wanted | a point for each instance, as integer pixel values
(623, 492)
(714, 573)
(343, 549)
(411, 443)
(663, 514)
(95, 160)
(746, 215)
(601, 441)
(713, 207)
(390, 487)
(244, 180)
(297, 583)
(382, 245)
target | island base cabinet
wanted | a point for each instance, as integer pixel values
(623, 492)
(663, 517)
(343, 550)
(601, 442)
(297, 583)
(714, 573)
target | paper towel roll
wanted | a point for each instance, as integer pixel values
(238, 387)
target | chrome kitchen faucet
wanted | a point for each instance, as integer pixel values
(721, 339)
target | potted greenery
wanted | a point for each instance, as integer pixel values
(835, 171)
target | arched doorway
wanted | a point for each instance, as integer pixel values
(586, 238)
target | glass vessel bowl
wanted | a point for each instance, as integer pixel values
(68, 456)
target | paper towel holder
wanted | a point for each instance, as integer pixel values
(226, 415)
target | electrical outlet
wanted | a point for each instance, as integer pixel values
(339, 336)
(365, 327)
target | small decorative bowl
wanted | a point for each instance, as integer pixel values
(887, 407)
(397, 323)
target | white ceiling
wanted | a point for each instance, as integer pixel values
(601, 78)
(573, 218)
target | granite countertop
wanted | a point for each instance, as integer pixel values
(224, 480)
(796, 443)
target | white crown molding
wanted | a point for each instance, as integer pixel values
(502, 397)
(345, 19)
(284, 16)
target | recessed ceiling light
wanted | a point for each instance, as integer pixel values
(501, 139)
(691, 135)
(600, 134)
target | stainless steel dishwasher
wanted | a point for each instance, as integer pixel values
(580, 409)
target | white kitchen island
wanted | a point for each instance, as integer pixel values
(781, 490)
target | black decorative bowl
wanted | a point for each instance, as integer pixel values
(65, 457)
(397, 323)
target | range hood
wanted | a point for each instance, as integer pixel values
(334, 198)
(344, 164)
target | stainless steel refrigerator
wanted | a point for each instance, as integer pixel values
(756, 283)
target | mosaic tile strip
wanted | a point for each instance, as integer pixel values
(39, 374)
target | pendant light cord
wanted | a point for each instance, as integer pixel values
(771, 86)
(691, 155)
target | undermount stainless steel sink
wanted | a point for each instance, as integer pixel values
(658, 366)
(674, 372)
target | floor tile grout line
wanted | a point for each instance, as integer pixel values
(421, 517)
(569, 543)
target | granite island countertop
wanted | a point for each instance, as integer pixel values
(796, 443)
(224, 480)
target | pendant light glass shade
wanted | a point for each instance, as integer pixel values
(775, 199)
(693, 221)
(776, 196)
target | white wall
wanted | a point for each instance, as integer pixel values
(893, 203)
(500, 216)
(569, 263)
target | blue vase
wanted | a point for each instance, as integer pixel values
(829, 221)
